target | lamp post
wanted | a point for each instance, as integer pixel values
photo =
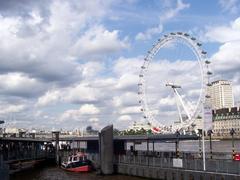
(177, 143)
(232, 132)
(210, 138)
(199, 142)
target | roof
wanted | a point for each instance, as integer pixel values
(160, 137)
(24, 139)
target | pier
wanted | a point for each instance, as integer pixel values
(118, 154)
(151, 163)
(20, 153)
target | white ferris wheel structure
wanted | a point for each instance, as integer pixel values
(203, 64)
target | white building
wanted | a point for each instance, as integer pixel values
(226, 119)
(221, 95)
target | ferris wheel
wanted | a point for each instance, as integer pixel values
(195, 47)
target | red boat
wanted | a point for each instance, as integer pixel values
(77, 163)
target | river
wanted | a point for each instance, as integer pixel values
(55, 173)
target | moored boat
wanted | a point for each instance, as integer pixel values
(77, 163)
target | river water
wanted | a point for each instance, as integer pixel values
(56, 173)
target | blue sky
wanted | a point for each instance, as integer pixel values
(68, 64)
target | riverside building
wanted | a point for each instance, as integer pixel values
(224, 120)
(221, 94)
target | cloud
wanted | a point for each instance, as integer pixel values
(130, 110)
(224, 34)
(225, 62)
(168, 14)
(50, 97)
(124, 118)
(172, 12)
(126, 99)
(93, 120)
(149, 33)
(7, 108)
(226, 59)
(231, 6)
(78, 114)
(19, 84)
(91, 43)
(82, 94)
(77, 94)
(88, 109)
(63, 38)
(67, 61)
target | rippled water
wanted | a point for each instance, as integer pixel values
(55, 173)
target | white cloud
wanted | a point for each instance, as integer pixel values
(78, 114)
(50, 97)
(224, 34)
(93, 120)
(231, 6)
(6, 109)
(167, 101)
(127, 65)
(78, 94)
(88, 109)
(225, 62)
(91, 69)
(19, 84)
(168, 14)
(124, 118)
(130, 110)
(91, 42)
(127, 81)
(149, 33)
(82, 93)
(126, 99)
(226, 59)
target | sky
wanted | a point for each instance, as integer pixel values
(70, 64)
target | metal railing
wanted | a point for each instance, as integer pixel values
(212, 165)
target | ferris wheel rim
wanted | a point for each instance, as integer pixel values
(195, 47)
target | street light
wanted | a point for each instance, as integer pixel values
(232, 132)
(210, 137)
(177, 143)
(199, 142)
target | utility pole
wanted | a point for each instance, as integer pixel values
(232, 132)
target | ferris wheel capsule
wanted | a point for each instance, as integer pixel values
(199, 44)
(207, 62)
(209, 73)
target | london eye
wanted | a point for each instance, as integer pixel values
(192, 46)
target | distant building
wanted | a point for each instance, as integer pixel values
(138, 126)
(225, 119)
(221, 94)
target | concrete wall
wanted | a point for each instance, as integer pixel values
(170, 174)
(106, 150)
